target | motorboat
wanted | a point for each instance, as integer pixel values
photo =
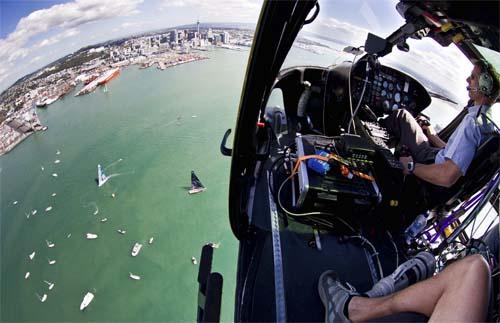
(50, 244)
(51, 261)
(91, 236)
(51, 285)
(194, 261)
(133, 276)
(57, 161)
(15, 202)
(48, 208)
(41, 298)
(27, 275)
(136, 248)
(58, 152)
(151, 240)
(34, 212)
(104, 219)
(120, 231)
(54, 194)
(54, 175)
(89, 297)
(32, 255)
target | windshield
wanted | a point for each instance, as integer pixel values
(441, 70)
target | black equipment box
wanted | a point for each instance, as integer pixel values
(333, 191)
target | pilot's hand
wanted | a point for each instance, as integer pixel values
(425, 124)
(407, 164)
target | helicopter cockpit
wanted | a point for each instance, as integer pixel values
(316, 180)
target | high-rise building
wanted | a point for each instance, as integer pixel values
(224, 37)
(174, 36)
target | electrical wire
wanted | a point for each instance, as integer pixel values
(375, 252)
(350, 92)
(351, 122)
(395, 248)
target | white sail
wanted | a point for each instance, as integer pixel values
(101, 176)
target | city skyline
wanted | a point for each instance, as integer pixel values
(33, 34)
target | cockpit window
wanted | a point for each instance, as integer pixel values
(441, 70)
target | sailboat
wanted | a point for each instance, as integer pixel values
(196, 185)
(101, 176)
(32, 255)
(86, 300)
(51, 285)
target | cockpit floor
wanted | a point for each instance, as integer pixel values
(303, 263)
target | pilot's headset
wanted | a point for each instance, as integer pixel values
(488, 80)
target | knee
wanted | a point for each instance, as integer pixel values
(477, 267)
(403, 114)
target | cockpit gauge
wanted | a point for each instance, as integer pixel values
(385, 84)
(397, 97)
(383, 93)
(398, 87)
(389, 95)
(386, 106)
(395, 107)
(391, 86)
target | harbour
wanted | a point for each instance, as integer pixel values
(160, 143)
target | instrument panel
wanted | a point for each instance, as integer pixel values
(388, 89)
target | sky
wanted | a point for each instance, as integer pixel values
(34, 33)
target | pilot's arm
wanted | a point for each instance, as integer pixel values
(445, 174)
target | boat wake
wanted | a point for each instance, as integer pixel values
(113, 163)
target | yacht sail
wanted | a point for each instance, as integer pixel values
(101, 176)
(196, 185)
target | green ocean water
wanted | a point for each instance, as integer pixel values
(145, 119)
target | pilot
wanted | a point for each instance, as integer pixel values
(434, 160)
(459, 293)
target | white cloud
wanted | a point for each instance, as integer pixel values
(220, 10)
(341, 31)
(57, 38)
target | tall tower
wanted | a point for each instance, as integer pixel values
(198, 27)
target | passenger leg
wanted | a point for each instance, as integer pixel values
(459, 293)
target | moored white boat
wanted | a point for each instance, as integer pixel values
(51, 261)
(27, 275)
(121, 231)
(135, 250)
(135, 277)
(86, 300)
(50, 244)
(54, 175)
(151, 240)
(54, 194)
(194, 261)
(15, 202)
(91, 236)
(104, 219)
(33, 212)
(48, 208)
(57, 161)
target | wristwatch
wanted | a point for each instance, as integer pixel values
(410, 166)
